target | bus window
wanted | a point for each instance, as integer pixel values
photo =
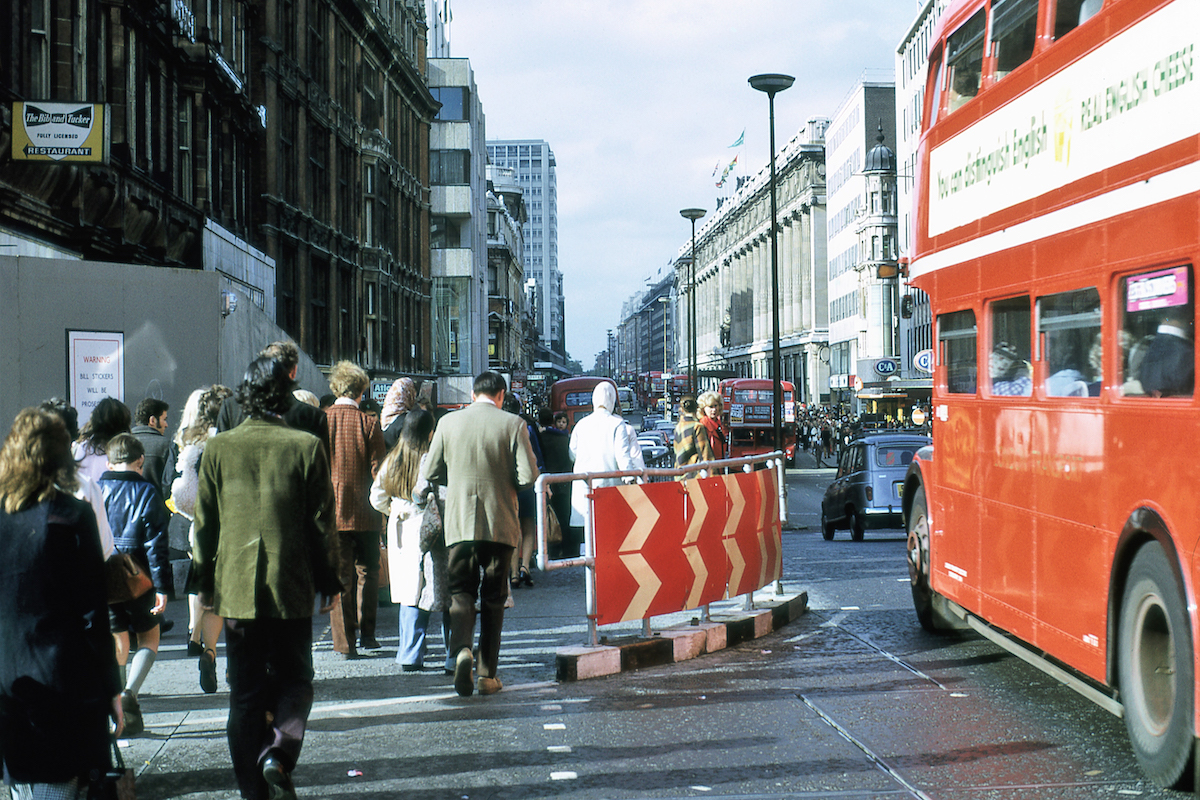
(1158, 322)
(956, 334)
(1014, 33)
(1069, 336)
(1008, 362)
(1070, 14)
(964, 55)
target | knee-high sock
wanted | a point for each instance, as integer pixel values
(139, 668)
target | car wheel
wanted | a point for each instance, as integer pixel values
(924, 598)
(857, 526)
(826, 526)
(1156, 669)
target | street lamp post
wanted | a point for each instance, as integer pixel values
(665, 301)
(693, 214)
(773, 84)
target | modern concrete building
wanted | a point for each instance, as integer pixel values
(733, 275)
(862, 311)
(535, 168)
(646, 335)
(458, 229)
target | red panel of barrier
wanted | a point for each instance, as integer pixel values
(667, 547)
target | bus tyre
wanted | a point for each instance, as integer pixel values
(827, 528)
(1155, 669)
(857, 527)
(918, 566)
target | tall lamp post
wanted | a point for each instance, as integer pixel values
(773, 84)
(666, 396)
(693, 384)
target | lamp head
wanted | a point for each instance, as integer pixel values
(771, 83)
(692, 213)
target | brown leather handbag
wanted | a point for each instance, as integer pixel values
(125, 578)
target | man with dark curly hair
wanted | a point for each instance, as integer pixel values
(264, 508)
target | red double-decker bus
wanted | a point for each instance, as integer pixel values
(1058, 211)
(574, 396)
(746, 416)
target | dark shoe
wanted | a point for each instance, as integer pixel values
(514, 582)
(413, 668)
(279, 781)
(369, 644)
(195, 648)
(526, 578)
(464, 664)
(133, 714)
(351, 655)
(208, 671)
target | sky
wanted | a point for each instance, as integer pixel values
(641, 99)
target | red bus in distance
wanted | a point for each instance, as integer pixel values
(746, 416)
(1057, 200)
(574, 396)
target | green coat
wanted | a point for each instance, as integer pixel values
(483, 456)
(264, 506)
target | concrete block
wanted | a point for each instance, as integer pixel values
(688, 641)
(581, 663)
(641, 653)
(716, 637)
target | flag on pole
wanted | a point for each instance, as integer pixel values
(741, 138)
(727, 170)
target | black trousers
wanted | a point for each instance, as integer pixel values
(466, 586)
(270, 670)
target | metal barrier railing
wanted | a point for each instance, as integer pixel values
(773, 460)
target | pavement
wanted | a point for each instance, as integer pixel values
(183, 751)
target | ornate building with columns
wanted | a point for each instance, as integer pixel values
(733, 275)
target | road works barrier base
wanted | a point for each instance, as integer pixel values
(681, 642)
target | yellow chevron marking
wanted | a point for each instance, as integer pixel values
(700, 504)
(647, 516)
(700, 570)
(737, 507)
(648, 585)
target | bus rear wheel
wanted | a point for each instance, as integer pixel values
(1156, 669)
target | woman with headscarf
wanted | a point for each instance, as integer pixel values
(601, 442)
(401, 398)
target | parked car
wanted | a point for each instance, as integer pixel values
(866, 492)
(648, 421)
(656, 455)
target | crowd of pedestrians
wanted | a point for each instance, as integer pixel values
(284, 501)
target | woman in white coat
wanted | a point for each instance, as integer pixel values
(601, 442)
(416, 552)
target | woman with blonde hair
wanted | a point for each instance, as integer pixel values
(710, 407)
(205, 626)
(59, 683)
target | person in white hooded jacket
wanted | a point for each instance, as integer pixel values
(601, 442)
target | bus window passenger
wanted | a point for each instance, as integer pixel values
(1169, 366)
(1009, 372)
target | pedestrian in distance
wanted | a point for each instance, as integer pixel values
(264, 509)
(138, 518)
(483, 456)
(88, 490)
(150, 423)
(417, 559)
(691, 437)
(58, 675)
(109, 417)
(400, 399)
(601, 442)
(206, 626)
(518, 573)
(297, 414)
(556, 453)
(357, 452)
(710, 405)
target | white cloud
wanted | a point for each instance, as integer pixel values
(639, 99)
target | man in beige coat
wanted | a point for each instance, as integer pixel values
(483, 456)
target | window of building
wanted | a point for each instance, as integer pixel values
(1069, 335)
(965, 59)
(1157, 333)
(455, 102)
(317, 31)
(449, 167)
(319, 310)
(348, 344)
(443, 233)
(286, 166)
(347, 202)
(318, 171)
(956, 339)
(183, 137)
(371, 108)
(1014, 33)
(39, 50)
